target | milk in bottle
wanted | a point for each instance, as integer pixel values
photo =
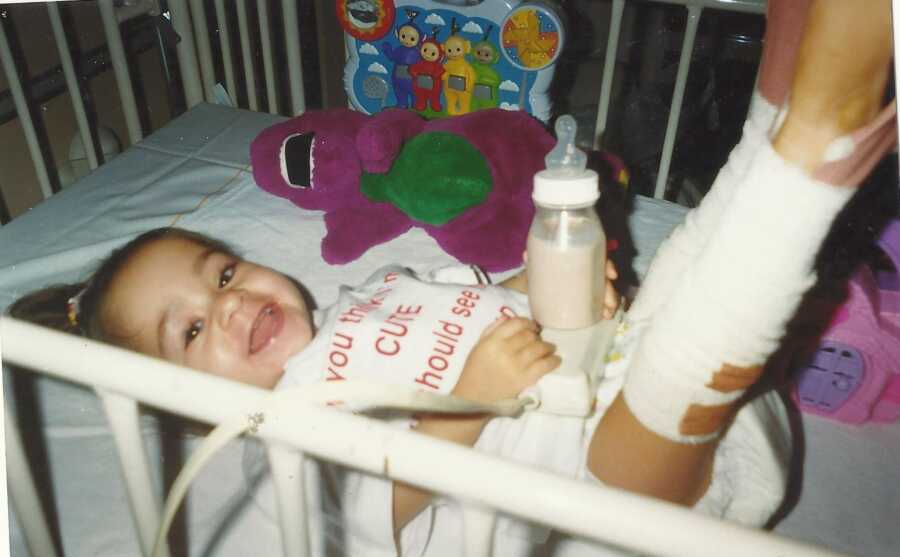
(566, 243)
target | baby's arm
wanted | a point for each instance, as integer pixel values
(509, 357)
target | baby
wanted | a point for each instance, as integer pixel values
(669, 420)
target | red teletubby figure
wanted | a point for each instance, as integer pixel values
(427, 74)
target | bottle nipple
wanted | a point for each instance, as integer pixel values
(565, 159)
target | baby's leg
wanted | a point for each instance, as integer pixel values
(784, 26)
(703, 347)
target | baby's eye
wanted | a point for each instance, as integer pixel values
(192, 332)
(226, 275)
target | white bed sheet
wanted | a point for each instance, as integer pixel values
(195, 173)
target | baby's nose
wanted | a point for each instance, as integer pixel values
(229, 302)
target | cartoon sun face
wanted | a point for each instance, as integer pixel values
(485, 53)
(430, 51)
(363, 14)
(408, 35)
(456, 47)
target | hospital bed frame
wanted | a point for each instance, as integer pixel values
(615, 516)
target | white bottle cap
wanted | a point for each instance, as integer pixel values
(552, 189)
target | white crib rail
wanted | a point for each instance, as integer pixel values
(15, 86)
(124, 420)
(22, 492)
(187, 53)
(618, 517)
(225, 46)
(120, 69)
(65, 57)
(294, 61)
(288, 470)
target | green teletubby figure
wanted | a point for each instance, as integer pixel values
(487, 80)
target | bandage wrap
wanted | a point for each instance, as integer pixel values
(732, 304)
(680, 249)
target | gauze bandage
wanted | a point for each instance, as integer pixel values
(680, 249)
(705, 345)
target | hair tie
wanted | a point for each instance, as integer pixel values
(73, 307)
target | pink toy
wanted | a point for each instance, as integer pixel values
(854, 375)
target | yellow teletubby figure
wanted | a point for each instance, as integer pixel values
(459, 77)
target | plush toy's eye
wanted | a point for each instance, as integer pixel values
(296, 160)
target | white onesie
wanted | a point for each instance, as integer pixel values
(399, 329)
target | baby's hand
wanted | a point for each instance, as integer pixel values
(612, 298)
(509, 357)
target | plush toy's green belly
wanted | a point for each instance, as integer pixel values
(435, 177)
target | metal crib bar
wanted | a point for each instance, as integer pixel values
(294, 60)
(246, 55)
(225, 43)
(65, 57)
(124, 421)
(187, 53)
(262, 7)
(23, 493)
(609, 68)
(201, 31)
(684, 64)
(120, 68)
(288, 473)
(478, 530)
(15, 86)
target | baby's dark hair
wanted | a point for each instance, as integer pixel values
(50, 306)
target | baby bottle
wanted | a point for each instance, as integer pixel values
(566, 243)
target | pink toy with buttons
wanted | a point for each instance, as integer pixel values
(854, 374)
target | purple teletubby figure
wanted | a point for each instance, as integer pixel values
(403, 57)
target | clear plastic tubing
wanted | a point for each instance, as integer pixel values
(566, 243)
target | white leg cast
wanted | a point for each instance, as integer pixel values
(677, 252)
(705, 344)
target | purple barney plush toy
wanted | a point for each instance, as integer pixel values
(465, 180)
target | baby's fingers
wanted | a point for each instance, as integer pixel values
(611, 272)
(611, 301)
(542, 366)
(534, 350)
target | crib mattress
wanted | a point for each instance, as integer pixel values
(195, 173)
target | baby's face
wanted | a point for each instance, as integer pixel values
(207, 310)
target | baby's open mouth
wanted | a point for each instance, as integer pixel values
(266, 327)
